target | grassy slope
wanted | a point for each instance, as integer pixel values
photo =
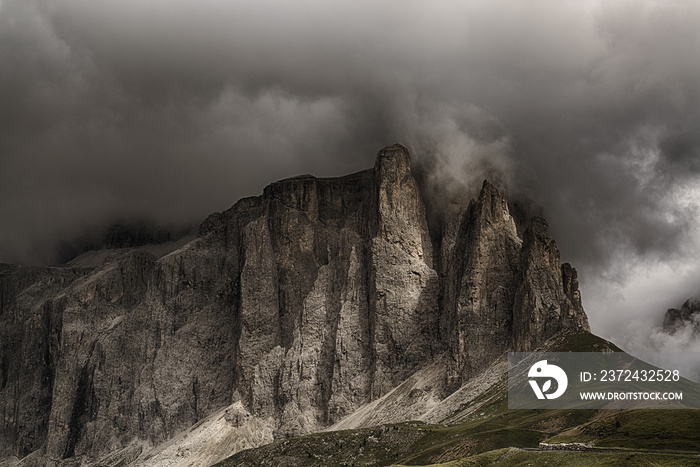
(484, 439)
(639, 429)
(515, 458)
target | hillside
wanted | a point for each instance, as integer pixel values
(485, 432)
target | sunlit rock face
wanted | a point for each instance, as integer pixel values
(297, 307)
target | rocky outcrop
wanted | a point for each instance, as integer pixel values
(297, 307)
(30, 328)
(547, 300)
(403, 285)
(480, 284)
(500, 291)
(687, 316)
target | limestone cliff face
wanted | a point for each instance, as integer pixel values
(403, 285)
(30, 337)
(481, 283)
(299, 306)
(547, 299)
(500, 291)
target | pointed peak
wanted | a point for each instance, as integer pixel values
(394, 147)
(539, 242)
(491, 209)
(395, 151)
(394, 158)
(488, 189)
(490, 198)
(496, 186)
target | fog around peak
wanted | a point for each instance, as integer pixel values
(172, 110)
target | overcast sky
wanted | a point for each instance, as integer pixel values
(172, 109)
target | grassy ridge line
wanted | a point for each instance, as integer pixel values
(673, 429)
(516, 458)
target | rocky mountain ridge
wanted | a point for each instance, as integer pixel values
(687, 315)
(294, 308)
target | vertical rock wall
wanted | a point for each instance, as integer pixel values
(301, 304)
(403, 284)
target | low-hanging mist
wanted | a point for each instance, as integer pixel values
(171, 110)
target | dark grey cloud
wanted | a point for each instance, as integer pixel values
(172, 109)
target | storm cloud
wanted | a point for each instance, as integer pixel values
(169, 110)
